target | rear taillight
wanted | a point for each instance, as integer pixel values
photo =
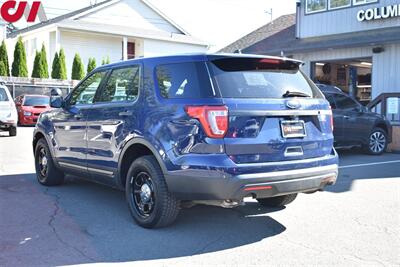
(214, 119)
(331, 116)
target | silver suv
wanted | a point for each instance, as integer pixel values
(8, 112)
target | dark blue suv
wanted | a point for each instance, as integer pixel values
(176, 130)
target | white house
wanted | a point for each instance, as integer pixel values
(118, 29)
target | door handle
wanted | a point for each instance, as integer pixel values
(346, 117)
(125, 113)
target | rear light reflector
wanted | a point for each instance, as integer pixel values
(214, 119)
(331, 117)
(270, 61)
(256, 188)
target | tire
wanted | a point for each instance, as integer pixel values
(13, 131)
(46, 172)
(377, 142)
(276, 202)
(150, 203)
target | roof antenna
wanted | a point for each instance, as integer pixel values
(269, 12)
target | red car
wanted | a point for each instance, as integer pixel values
(30, 107)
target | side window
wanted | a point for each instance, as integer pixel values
(184, 80)
(122, 85)
(85, 93)
(331, 100)
(345, 102)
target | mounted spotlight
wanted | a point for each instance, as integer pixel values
(378, 49)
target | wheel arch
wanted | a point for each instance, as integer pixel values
(132, 150)
(382, 125)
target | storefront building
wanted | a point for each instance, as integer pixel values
(352, 44)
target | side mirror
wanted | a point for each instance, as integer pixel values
(56, 92)
(56, 102)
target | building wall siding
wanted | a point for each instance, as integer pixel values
(342, 20)
(90, 45)
(133, 13)
(161, 48)
(386, 71)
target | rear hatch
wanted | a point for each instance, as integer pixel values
(275, 112)
(6, 105)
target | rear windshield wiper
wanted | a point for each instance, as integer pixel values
(295, 94)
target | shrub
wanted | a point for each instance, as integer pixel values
(5, 71)
(63, 66)
(78, 72)
(55, 72)
(105, 60)
(36, 65)
(3, 68)
(59, 70)
(91, 65)
(45, 66)
(19, 66)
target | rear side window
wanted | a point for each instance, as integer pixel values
(345, 102)
(260, 78)
(331, 100)
(3, 95)
(184, 80)
(123, 85)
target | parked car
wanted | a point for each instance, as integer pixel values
(210, 129)
(30, 107)
(355, 125)
(8, 113)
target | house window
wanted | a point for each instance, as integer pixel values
(313, 6)
(334, 4)
(131, 50)
(361, 2)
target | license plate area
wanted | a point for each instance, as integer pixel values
(293, 129)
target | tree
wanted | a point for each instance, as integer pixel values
(91, 65)
(2, 68)
(45, 65)
(63, 65)
(36, 65)
(105, 60)
(19, 66)
(4, 59)
(59, 70)
(78, 72)
(55, 72)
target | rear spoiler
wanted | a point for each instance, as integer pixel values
(255, 56)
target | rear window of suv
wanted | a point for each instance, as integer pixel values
(184, 80)
(260, 78)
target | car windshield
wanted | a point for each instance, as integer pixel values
(3, 95)
(31, 101)
(261, 78)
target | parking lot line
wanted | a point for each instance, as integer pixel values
(369, 164)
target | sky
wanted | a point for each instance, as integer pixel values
(218, 22)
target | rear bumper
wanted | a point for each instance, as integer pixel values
(220, 185)
(5, 126)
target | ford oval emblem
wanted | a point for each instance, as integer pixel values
(293, 104)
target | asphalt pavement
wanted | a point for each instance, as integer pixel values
(354, 223)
